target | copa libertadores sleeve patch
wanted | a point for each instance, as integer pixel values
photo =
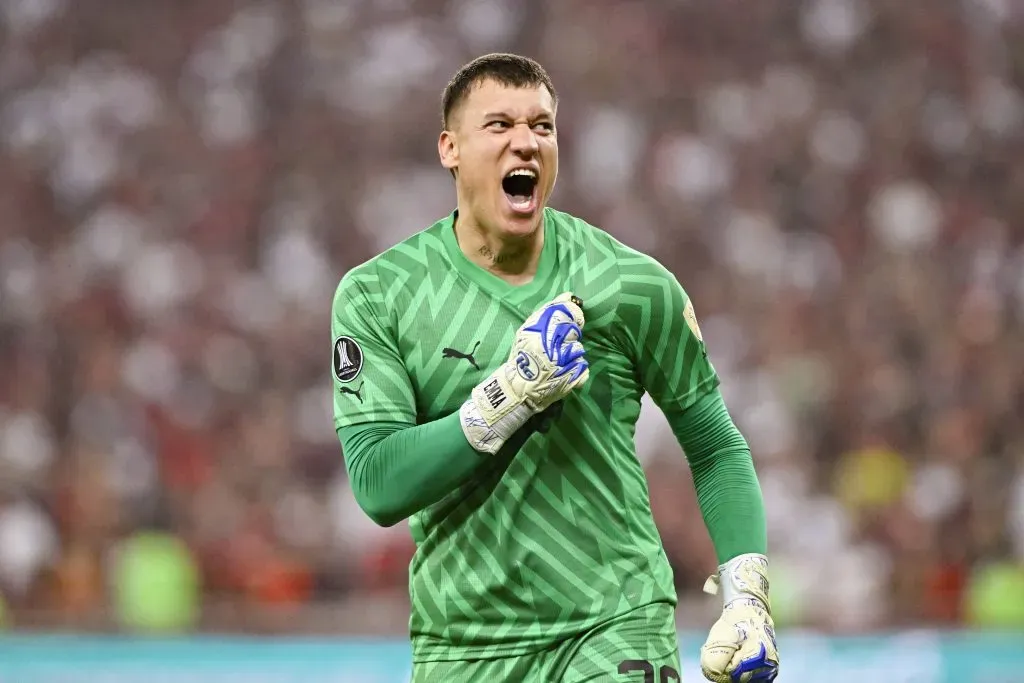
(348, 359)
(691, 320)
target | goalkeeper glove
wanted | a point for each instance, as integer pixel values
(741, 647)
(545, 364)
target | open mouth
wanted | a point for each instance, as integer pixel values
(520, 187)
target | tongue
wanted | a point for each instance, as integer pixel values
(520, 202)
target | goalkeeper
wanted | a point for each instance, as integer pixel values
(488, 373)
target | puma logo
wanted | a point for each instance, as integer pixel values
(454, 353)
(358, 393)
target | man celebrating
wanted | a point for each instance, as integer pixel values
(500, 357)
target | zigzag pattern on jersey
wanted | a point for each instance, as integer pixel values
(672, 354)
(591, 265)
(436, 298)
(555, 520)
(366, 293)
(556, 538)
(466, 323)
(567, 574)
(533, 530)
(430, 297)
(358, 302)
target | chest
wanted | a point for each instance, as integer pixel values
(449, 348)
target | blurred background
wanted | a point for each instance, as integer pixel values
(839, 185)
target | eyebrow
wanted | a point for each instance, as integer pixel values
(506, 115)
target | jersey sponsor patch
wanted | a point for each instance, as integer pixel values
(348, 359)
(691, 320)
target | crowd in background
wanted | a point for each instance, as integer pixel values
(838, 184)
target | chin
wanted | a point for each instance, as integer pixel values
(520, 221)
(520, 226)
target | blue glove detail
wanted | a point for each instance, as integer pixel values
(553, 340)
(545, 364)
(570, 359)
(568, 355)
(763, 670)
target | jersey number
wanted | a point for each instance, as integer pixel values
(665, 674)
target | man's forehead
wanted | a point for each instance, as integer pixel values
(490, 96)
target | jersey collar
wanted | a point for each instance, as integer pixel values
(490, 282)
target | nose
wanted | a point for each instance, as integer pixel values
(524, 141)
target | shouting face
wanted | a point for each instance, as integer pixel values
(501, 145)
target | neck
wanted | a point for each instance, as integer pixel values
(512, 259)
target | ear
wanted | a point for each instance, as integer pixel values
(448, 150)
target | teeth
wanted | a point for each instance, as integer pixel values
(530, 173)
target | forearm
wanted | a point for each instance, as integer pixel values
(397, 469)
(728, 492)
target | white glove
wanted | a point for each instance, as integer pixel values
(545, 364)
(741, 647)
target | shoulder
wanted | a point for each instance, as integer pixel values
(577, 234)
(646, 287)
(586, 250)
(371, 281)
(632, 267)
(624, 288)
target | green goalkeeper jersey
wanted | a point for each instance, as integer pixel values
(552, 540)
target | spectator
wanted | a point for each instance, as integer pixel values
(837, 183)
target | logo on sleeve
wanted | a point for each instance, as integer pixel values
(357, 392)
(348, 359)
(691, 320)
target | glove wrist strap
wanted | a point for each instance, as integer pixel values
(489, 438)
(744, 577)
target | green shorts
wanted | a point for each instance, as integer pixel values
(638, 647)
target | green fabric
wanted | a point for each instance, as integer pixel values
(723, 473)
(491, 283)
(397, 469)
(532, 549)
(641, 645)
(390, 485)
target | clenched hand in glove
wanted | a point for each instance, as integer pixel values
(545, 364)
(741, 647)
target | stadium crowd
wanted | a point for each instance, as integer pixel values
(838, 184)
